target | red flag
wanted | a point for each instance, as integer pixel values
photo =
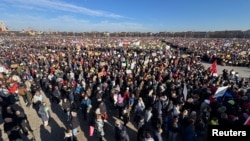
(213, 67)
(247, 122)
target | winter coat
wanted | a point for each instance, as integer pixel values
(103, 108)
(189, 134)
(123, 135)
(12, 89)
(66, 106)
(57, 94)
(74, 122)
(4, 92)
(85, 103)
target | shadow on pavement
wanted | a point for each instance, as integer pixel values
(52, 131)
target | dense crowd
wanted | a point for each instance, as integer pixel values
(161, 91)
(232, 52)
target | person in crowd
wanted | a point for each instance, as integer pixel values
(28, 93)
(125, 116)
(66, 106)
(131, 102)
(56, 94)
(140, 106)
(69, 135)
(99, 123)
(23, 123)
(120, 105)
(157, 134)
(148, 137)
(120, 132)
(78, 92)
(74, 123)
(26, 97)
(37, 98)
(44, 112)
(200, 128)
(173, 129)
(148, 115)
(12, 129)
(189, 133)
(86, 106)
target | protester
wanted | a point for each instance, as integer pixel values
(44, 112)
(66, 106)
(120, 132)
(86, 106)
(100, 126)
(21, 119)
(74, 123)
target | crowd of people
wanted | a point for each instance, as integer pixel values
(231, 52)
(164, 93)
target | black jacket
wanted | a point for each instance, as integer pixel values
(74, 122)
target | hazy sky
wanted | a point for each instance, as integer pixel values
(126, 15)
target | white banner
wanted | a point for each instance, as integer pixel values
(185, 92)
(2, 69)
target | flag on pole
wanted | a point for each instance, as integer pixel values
(213, 67)
(220, 91)
(247, 122)
(185, 92)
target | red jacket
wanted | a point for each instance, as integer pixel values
(126, 96)
(13, 89)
